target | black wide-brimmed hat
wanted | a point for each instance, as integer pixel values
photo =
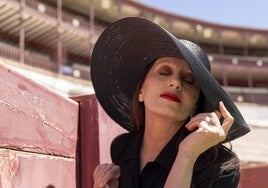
(127, 48)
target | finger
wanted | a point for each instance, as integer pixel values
(191, 126)
(99, 177)
(215, 118)
(111, 174)
(225, 113)
(228, 118)
(217, 113)
(104, 173)
(113, 183)
(197, 123)
(116, 172)
(209, 118)
(206, 116)
(193, 123)
(203, 125)
(97, 169)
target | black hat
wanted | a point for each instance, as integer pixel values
(124, 51)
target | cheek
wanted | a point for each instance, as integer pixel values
(144, 93)
(148, 88)
(196, 95)
(193, 96)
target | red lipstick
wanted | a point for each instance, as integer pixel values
(171, 97)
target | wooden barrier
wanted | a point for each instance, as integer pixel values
(38, 134)
(88, 147)
(47, 140)
(254, 176)
(96, 132)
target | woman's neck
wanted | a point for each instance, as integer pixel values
(157, 134)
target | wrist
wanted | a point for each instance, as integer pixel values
(187, 156)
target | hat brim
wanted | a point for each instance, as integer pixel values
(127, 47)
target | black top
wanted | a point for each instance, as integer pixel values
(125, 152)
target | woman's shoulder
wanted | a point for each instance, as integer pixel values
(124, 137)
(121, 144)
(123, 140)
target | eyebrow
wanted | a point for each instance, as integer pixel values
(164, 62)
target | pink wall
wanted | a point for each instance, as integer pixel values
(108, 130)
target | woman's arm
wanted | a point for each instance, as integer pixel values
(181, 172)
(207, 132)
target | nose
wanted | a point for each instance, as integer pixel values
(175, 83)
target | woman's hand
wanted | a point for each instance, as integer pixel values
(207, 132)
(106, 176)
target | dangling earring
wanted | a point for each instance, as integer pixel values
(141, 99)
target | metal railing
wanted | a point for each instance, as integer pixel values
(240, 60)
(36, 60)
(83, 72)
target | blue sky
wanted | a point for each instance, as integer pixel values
(242, 13)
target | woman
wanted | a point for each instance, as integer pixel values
(161, 90)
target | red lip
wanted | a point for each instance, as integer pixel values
(171, 97)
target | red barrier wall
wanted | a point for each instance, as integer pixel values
(254, 176)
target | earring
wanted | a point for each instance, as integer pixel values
(141, 99)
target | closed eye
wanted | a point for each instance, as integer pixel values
(189, 79)
(165, 70)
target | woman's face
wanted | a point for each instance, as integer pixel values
(169, 89)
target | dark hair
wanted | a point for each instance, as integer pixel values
(138, 108)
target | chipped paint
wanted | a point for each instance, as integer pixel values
(9, 165)
(34, 118)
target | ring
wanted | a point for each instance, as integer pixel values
(213, 122)
(208, 119)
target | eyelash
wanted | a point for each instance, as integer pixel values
(191, 82)
(166, 72)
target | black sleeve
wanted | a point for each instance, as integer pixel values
(117, 146)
